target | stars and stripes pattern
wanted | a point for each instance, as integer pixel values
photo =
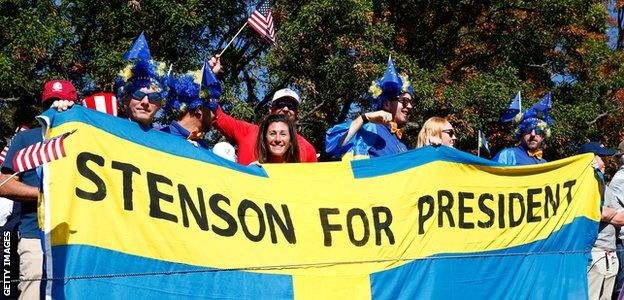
(262, 21)
(4, 152)
(39, 153)
(103, 102)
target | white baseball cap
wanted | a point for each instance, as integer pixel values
(286, 93)
(225, 150)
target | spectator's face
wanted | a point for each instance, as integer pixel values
(142, 105)
(400, 108)
(278, 139)
(448, 135)
(531, 140)
(285, 106)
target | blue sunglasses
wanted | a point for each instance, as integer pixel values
(151, 97)
(538, 131)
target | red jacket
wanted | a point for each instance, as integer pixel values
(245, 135)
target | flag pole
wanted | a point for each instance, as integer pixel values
(232, 40)
(6, 180)
(479, 144)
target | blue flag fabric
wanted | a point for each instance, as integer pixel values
(513, 109)
(391, 83)
(483, 143)
(139, 49)
(210, 81)
(544, 105)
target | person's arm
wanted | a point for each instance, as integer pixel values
(13, 188)
(230, 127)
(378, 117)
(233, 129)
(612, 216)
(16, 190)
(617, 185)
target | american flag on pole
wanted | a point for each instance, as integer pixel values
(40, 153)
(262, 21)
(4, 152)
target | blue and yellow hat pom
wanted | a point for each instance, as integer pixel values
(185, 93)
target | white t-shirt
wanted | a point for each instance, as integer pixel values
(6, 208)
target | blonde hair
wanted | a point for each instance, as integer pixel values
(432, 127)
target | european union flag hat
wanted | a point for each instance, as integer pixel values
(141, 72)
(184, 93)
(535, 118)
(391, 85)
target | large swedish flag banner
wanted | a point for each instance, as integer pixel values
(136, 213)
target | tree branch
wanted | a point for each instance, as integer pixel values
(602, 115)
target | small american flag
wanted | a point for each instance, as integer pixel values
(40, 153)
(4, 152)
(262, 21)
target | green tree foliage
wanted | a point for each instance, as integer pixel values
(466, 59)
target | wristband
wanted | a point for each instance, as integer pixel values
(364, 119)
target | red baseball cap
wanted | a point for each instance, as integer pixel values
(59, 89)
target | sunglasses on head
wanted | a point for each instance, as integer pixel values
(450, 132)
(151, 97)
(284, 103)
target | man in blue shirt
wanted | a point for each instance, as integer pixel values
(193, 112)
(376, 133)
(533, 127)
(24, 188)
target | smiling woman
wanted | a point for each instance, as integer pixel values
(277, 142)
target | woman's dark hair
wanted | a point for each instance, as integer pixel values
(262, 148)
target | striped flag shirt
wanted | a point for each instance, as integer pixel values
(39, 153)
(4, 152)
(262, 21)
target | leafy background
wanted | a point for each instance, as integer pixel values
(466, 58)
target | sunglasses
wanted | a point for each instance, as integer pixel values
(284, 103)
(450, 132)
(538, 131)
(404, 100)
(151, 97)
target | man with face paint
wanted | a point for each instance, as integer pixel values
(376, 133)
(533, 127)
